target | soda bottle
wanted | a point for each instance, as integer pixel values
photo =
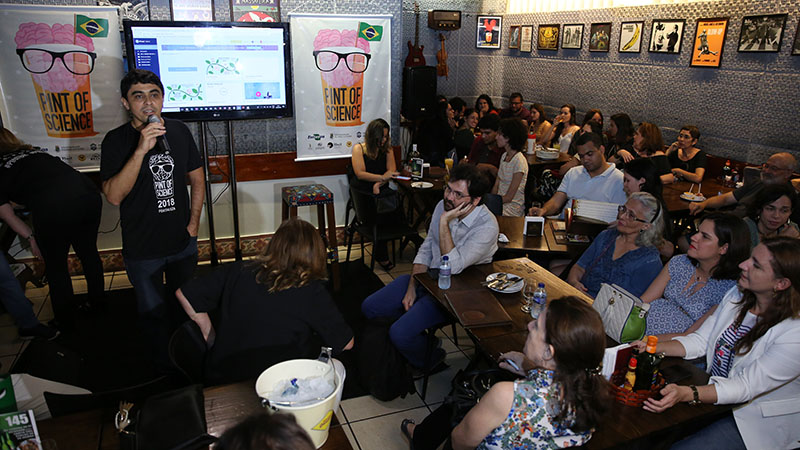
(647, 366)
(630, 376)
(444, 273)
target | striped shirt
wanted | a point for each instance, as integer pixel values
(723, 350)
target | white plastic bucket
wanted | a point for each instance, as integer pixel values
(315, 418)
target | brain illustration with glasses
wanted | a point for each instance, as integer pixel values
(161, 166)
(59, 61)
(342, 58)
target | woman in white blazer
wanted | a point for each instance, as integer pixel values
(752, 348)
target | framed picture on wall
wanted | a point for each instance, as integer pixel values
(513, 36)
(526, 38)
(667, 36)
(548, 37)
(709, 41)
(192, 10)
(796, 46)
(599, 37)
(630, 37)
(256, 10)
(489, 32)
(572, 36)
(762, 33)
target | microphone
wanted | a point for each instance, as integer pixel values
(162, 140)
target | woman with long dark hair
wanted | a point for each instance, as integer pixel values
(563, 129)
(771, 213)
(620, 145)
(751, 345)
(484, 106)
(539, 125)
(513, 171)
(268, 311)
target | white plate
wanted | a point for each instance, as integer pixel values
(547, 154)
(693, 197)
(421, 185)
(516, 287)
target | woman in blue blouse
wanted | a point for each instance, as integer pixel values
(627, 254)
(690, 286)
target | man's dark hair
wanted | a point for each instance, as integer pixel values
(515, 95)
(277, 431)
(516, 132)
(594, 138)
(490, 122)
(457, 103)
(138, 76)
(477, 182)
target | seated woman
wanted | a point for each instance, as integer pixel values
(620, 145)
(591, 126)
(771, 214)
(627, 254)
(436, 135)
(485, 106)
(564, 127)
(557, 405)
(513, 172)
(690, 286)
(465, 134)
(374, 165)
(687, 161)
(539, 124)
(750, 343)
(647, 143)
(268, 311)
(640, 176)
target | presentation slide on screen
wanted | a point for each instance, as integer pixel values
(208, 68)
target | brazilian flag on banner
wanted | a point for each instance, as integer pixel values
(91, 27)
(370, 32)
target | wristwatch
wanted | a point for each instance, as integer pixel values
(695, 394)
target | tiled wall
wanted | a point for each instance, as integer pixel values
(747, 109)
(277, 135)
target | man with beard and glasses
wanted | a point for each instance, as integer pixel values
(461, 229)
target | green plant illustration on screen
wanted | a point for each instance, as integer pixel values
(219, 68)
(175, 93)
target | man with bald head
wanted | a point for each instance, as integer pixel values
(777, 170)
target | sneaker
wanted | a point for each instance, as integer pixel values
(39, 331)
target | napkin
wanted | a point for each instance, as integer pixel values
(502, 238)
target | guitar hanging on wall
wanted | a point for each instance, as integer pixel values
(415, 57)
(441, 57)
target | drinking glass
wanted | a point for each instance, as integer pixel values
(527, 294)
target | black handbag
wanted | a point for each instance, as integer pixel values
(469, 387)
(173, 420)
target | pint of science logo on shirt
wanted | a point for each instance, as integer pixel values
(161, 166)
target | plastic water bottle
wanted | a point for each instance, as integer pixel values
(444, 273)
(539, 301)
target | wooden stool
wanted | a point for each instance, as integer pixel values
(309, 195)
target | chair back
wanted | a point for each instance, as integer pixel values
(64, 404)
(364, 206)
(187, 351)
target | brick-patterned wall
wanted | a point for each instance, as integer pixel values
(746, 110)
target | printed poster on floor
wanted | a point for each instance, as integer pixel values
(60, 78)
(342, 80)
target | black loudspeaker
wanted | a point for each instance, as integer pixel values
(419, 91)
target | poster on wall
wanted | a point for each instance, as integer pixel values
(60, 80)
(667, 36)
(342, 80)
(572, 36)
(526, 38)
(256, 10)
(513, 36)
(762, 33)
(548, 37)
(796, 46)
(709, 41)
(489, 32)
(599, 37)
(192, 10)
(630, 37)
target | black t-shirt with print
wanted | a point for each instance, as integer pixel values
(156, 211)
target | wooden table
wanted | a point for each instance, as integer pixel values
(622, 425)
(225, 406)
(512, 227)
(422, 201)
(534, 160)
(677, 205)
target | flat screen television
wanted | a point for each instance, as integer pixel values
(215, 70)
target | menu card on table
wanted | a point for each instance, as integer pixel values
(18, 431)
(477, 308)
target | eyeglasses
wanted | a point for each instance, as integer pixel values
(39, 60)
(328, 60)
(770, 167)
(458, 195)
(623, 211)
(516, 103)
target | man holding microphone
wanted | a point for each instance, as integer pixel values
(144, 167)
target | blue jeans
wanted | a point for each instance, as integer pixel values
(13, 298)
(720, 435)
(159, 310)
(407, 332)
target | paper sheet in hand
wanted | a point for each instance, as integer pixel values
(477, 308)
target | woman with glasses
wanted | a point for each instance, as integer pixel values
(687, 161)
(513, 171)
(626, 254)
(750, 345)
(691, 285)
(771, 214)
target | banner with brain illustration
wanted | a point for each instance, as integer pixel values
(342, 67)
(60, 78)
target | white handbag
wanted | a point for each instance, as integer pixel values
(624, 315)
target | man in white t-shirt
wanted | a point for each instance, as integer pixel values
(595, 179)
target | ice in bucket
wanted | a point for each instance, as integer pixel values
(59, 62)
(342, 59)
